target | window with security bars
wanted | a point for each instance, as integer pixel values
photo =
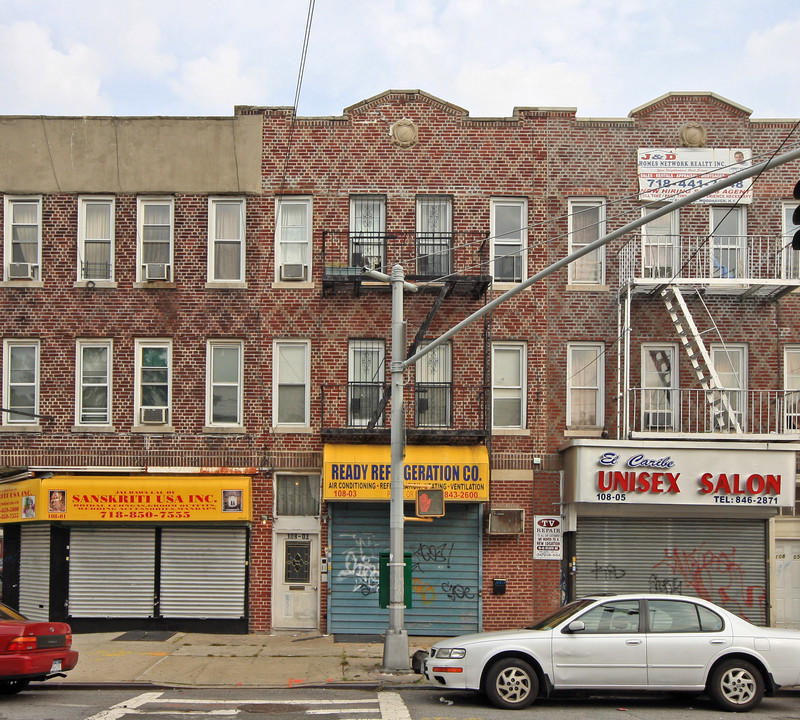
(434, 388)
(368, 231)
(434, 235)
(366, 389)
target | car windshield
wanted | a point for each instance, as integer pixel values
(556, 618)
(6, 613)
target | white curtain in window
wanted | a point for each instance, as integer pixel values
(25, 232)
(227, 241)
(294, 233)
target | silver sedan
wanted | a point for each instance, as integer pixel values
(622, 643)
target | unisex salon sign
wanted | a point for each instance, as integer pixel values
(752, 478)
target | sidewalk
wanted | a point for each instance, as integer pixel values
(265, 661)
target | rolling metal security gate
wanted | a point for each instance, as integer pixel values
(721, 560)
(34, 572)
(446, 573)
(112, 572)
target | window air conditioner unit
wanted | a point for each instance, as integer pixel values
(506, 521)
(156, 271)
(662, 420)
(154, 416)
(20, 271)
(293, 271)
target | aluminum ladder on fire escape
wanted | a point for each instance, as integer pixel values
(724, 416)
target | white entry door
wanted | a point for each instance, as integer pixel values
(297, 581)
(787, 584)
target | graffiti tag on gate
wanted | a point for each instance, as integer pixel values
(361, 563)
(717, 576)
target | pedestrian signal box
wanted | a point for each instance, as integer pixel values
(430, 503)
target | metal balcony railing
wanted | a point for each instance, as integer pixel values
(709, 260)
(428, 255)
(683, 411)
(364, 407)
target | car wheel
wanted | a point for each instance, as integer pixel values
(12, 687)
(511, 684)
(736, 686)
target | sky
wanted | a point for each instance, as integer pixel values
(203, 58)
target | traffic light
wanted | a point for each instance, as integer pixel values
(430, 503)
(796, 218)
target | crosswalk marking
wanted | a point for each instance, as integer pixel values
(387, 706)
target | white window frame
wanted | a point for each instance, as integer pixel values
(211, 383)
(504, 390)
(9, 203)
(434, 370)
(598, 387)
(728, 253)
(497, 242)
(303, 245)
(660, 251)
(367, 232)
(140, 345)
(737, 392)
(278, 382)
(80, 383)
(791, 388)
(597, 258)
(83, 202)
(142, 203)
(213, 240)
(434, 247)
(357, 348)
(9, 383)
(666, 411)
(790, 259)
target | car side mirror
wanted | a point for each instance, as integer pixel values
(576, 626)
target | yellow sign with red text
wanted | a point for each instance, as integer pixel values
(126, 498)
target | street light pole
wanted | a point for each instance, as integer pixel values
(395, 648)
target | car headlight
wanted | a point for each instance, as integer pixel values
(452, 653)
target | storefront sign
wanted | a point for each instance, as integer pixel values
(126, 498)
(547, 537)
(363, 472)
(754, 477)
(668, 173)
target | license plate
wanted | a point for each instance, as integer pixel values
(56, 666)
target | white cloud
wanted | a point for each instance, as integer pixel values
(215, 83)
(137, 46)
(40, 79)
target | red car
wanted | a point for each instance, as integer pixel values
(31, 650)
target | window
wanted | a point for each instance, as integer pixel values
(613, 617)
(790, 259)
(434, 235)
(23, 238)
(584, 385)
(508, 385)
(226, 229)
(660, 245)
(509, 231)
(587, 223)
(293, 229)
(678, 616)
(728, 242)
(365, 386)
(730, 364)
(297, 495)
(155, 220)
(791, 385)
(153, 382)
(94, 382)
(96, 238)
(21, 382)
(291, 380)
(434, 387)
(368, 231)
(224, 368)
(659, 386)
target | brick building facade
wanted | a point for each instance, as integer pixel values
(194, 357)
